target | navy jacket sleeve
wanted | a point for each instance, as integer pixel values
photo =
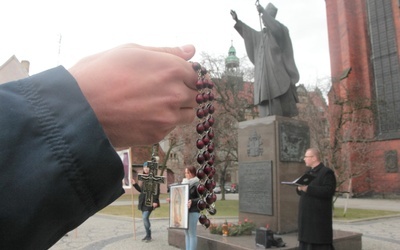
(57, 167)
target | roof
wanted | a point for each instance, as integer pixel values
(12, 70)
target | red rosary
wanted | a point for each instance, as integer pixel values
(205, 156)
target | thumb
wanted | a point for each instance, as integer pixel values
(185, 52)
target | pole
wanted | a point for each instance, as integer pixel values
(133, 215)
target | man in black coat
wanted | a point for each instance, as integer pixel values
(315, 208)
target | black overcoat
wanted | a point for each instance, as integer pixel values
(315, 207)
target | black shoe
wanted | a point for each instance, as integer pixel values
(148, 239)
(145, 238)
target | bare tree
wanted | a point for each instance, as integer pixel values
(343, 133)
(351, 126)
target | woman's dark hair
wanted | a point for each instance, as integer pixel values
(192, 170)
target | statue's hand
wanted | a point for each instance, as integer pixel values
(234, 15)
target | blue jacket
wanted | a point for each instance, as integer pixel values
(57, 167)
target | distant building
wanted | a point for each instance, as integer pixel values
(364, 110)
(13, 70)
(313, 109)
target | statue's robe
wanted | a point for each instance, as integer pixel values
(276, 74)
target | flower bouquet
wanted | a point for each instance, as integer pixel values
(242, 228)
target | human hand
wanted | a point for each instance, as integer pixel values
(189, 203)
(168, 200)
(234, 15)
(139, 94)
(133, 181)
(302, 188)
(155, 205)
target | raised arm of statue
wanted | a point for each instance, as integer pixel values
(234, 15)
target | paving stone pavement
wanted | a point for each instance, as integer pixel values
(115, 232)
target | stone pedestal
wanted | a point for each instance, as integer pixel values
(205, 241)
(271, 150)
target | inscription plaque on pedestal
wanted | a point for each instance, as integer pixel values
(255, 180)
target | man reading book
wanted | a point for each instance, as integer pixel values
(315, 207)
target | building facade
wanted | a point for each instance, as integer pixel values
(364, 101)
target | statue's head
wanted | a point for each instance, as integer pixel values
(271, 10)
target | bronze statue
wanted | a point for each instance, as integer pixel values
(275, 73)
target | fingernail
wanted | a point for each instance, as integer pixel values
(187, 48)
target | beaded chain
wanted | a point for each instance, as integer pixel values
(205, 155)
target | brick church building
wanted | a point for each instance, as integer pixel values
(364, 101)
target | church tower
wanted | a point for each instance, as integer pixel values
(232, 63)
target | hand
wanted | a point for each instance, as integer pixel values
(168, 200)
(189, 203)
(260, 9)
(155, 205)
(139, 94)
(133, 181)
(302, 188)
(234, 15)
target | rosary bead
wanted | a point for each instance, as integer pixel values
(210, 96)
(211, 198)
(202, 219)
(206, 155)
(205, 110)
(201, 189)
(210, 147)
(200, 173)
(200, 158)
(203, 71)
(212, 211)
(211, 120)
(207, 223)
(199, 98)
(200, 128)
(210, 84)
(200, 113)
(212, 173)
(207, 169)
(196, 66)
(200, 144)
(206, 125)
(206, 97)
(210, 134)
(200, 84)
(211, 161)
(201, 205)
(210, 184)
(206, 140)
(210, 108)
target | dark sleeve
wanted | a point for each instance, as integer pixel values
(326, 185)
(157, 197)
(57, 167)
(137, 187)
(194, 196)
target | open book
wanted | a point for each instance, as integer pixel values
(301, 181)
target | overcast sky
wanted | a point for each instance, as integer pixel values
(31, 30)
